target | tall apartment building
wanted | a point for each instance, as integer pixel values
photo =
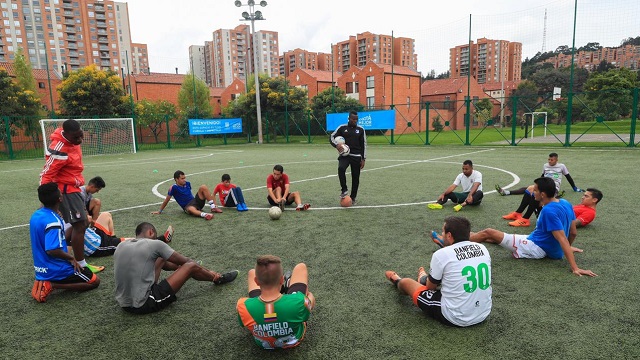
(232, 54)
(197, 60)
(303, 59)
(488, 60)
(70, 34)
(140, 59)
(381, 49)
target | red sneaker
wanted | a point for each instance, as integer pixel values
(216, 210)
(41, 289)
(512, 216)
(520, 223)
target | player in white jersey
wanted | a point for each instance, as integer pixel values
(471, 183)
(462, 269)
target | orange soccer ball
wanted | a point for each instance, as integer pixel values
(345, 201)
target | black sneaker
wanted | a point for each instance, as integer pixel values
(354, 202)
(281, 205)
(344, 194)
(287, 279)
(227, 277)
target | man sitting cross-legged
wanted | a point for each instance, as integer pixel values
(462, 269)
(137, 266)
(277, 309)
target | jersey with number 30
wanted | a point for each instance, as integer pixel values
(464, 271)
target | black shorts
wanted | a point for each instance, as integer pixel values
(108, 244)
(293, 288)
(84, 276)
(288, 202)
(72, 208)
(196, 202)
(160, 297)
(429, 302)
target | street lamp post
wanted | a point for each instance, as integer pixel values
(252, 15)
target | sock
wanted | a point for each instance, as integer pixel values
(506, 192)
(423, 280)
(211, 204)
(83, 263)
(300, 205)
(202, 214)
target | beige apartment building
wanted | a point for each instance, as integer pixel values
(303, 59)
(487, 60)
(230, 55)
(380, 49)
(68, 34)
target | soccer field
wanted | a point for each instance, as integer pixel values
(540, 310)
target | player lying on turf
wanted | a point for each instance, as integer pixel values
(54, 267)
(191, 205)
(138, 264)
(100, 238)
(554, 233)
(462, 270)
(278, 307)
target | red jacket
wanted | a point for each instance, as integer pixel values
(63, 164)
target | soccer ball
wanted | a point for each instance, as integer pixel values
(339, 140)
(346, 201)
(275, 212)
(345, 150)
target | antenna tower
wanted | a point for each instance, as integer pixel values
(544, 33)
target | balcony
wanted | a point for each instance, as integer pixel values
(105, 63)
(72, 46)
(103, 39)
(104, 55)
(71, 37)
(74, 62)
(99, 8)
(68, 13)
(104, 48)
(100, 17)
(67, 6)
(69, 22)
(70, 29)
(101, 24)
(73, 54)
(102, 32)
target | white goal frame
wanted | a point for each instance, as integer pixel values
(46, 135)
(533, 119)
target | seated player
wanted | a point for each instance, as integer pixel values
(93, 205)
(54, 267)
(230, 195)
(471, 182)
(137, 266)
(191, 205)
(277, 309)
(586, 209)
(279, 193)
(462, 270)
(100, 239)
(554, 233)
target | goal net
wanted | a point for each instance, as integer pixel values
(101, 136)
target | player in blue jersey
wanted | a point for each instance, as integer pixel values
(54, 267)
(181, 191)
(554, 233)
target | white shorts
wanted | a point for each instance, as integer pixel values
(521, 247)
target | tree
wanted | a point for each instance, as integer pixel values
(27, 83)
(609, 93)
(604, 66)
(336, 101)
(592, 46)
(527, 93)
(276, 96)
(548, 78)
(153, 115)
(483, 109)
(193, 102)
(90, 91)
(20, 104)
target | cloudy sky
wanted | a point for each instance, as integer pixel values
(169, 27)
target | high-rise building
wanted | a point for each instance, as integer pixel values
(71, 33)
(197, 60)
(232, 54)
(303, 59)
(140, 58)
(491, 61)
(381, 49)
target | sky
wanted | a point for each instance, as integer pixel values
(169, 27)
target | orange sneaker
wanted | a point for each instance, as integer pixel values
(41, 289)
(512, 216)
(521, 223)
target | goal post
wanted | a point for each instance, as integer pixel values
(101, 136)
(534, 116)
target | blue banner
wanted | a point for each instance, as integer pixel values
(214, 126)
(369, 120)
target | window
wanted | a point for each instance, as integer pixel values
(370, 82)
(370, 102)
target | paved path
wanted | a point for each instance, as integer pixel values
(540, 139)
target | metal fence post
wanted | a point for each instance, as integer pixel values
(514, 120)
(426, 106)
(634, 118)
